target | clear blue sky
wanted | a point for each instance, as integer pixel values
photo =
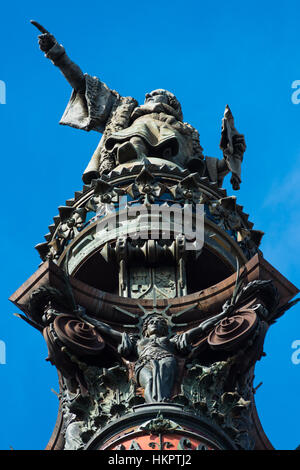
(246, 54)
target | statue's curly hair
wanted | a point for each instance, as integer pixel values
(173, 101)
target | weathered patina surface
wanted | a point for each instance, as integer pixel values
(155, 338)
(133, 132)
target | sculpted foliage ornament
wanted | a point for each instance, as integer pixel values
(106, 198)
(72, 221)
(146, 190)
(188, 190)
(224, 212)
(159, 425)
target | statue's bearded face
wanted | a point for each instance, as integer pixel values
(165, 97)
(156, 97)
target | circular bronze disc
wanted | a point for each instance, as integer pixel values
(232, 331)
(55, 355)
(78, 335)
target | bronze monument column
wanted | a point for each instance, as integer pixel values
(153, 296)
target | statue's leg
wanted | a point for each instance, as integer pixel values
(157, 379)
(146, 382)
(134, 149)
(167, 372)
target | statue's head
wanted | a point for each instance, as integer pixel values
(155, 325)
(50, 313)
(166, 97)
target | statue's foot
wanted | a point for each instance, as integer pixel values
(126, 152)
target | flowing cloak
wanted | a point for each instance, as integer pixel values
(100, 109)
(91, 109)
(213, 172)
(120, 118)
(152, 129)
(158, 355)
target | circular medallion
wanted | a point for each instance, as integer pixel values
(78, 335)
(232, 331)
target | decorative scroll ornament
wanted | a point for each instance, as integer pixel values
(78, 336)
(231, 332)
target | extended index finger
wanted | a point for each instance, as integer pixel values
(39, 27)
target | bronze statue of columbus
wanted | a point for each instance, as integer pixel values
(132, 132)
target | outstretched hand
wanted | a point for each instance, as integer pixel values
(46, 40)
